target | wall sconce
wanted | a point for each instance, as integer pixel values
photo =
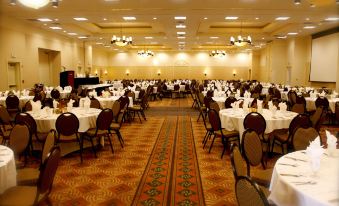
(105, 72)
(159, 73)
(96, 72)
(127, 73)
(205, 73)
(234, 73)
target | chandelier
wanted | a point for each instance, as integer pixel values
(241, 41)
(36, 4)
(121, 40)
(217, 53)
(145, 53)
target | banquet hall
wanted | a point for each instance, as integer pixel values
(173, 102)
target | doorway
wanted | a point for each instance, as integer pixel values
(14, 76)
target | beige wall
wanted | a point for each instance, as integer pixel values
(20, 42)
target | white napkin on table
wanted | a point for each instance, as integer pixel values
(59, 88)
(87, 102)
(55, 104)
(270, 105)
(70, 103)
(259, 106)
(331, 140)
(36, 106)
(6, 93)
(315, 151)
(283, 106)
(93, 94)
(322, 94)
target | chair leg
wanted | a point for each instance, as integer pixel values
(203, 141)
(139, 117)
(209, 151)
(207, 138)
(120, 138)
(93, 149)
(199, 116)
(143, 114)
(110, 142)
(81, 142)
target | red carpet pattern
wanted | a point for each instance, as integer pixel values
(172, 174)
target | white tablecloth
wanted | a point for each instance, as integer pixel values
(221, 101)
(108, 102)
(7, 169)
(232, 119)
(310, 103)
(22, 100)
(87, 119)
(286, 192)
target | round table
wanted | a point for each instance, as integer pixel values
(7, 169)
(288, 185)
(22, 100)
(109, 101)
(232, 119)
(310, 103)
(87, 119)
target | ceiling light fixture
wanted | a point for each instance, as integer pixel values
(180, 17)
(12, 2)
(72, 34)
(180, 26)
(145, 53)
(241, 41)
(121, 40)
(35, 4)
(45, 19)
(55, 3)
(55, 27)
(282, 18)
(231, 17)
(297, 2)
(309, 27)
(80, 18)
(218, 53)
(129, 18)
(332, 19)
(292, 33)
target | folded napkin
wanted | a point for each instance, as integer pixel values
(93, 94)
(70, 103)
(334, 93)
(55, 104)
(235, 105)
(322, 94)
(6, 93)
(314, 151)
(300, 94)
(59, 88)
(270, 105)
(87, 102)
(331, 140)
(259, 106)
(283, 106)
(36, 106)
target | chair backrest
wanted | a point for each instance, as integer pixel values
(337, 111)
(28, 106)
(301, 120)
(104, 119)
(316, 117)
(201, 98)
(67, 124)
(251, 147)
(48, 144)
(292, 97)
(176, 87)
(4, 115)
(239, 166)
(95, 103)
(26, 118)
(55, 94)
(209, 93)
(248, 193)
(141, 93)
(12, 102)
(48, 102)
(19, 138)
(229, 101)
(47, 172)
(214, 105)
(303, 136)
(322, 101)
(298, 108)
(116, 109)
(214, 119)
(207, 101)
(132, 94)
(256, 122)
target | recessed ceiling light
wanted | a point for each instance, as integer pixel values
(45, 24)
(263, 38)
(181, 37)
(214, 37)
(107, 46)
(309, 27)
(98, 43)
(100, 38)
(312, 5)
(82, 37)
(332, 19)
(282, 18)
(72, 34)
(292, 33)
(148, 37)
(104, 19)
(45, 19)
(231, 17)
(307, 19)
(55, 27)
(256, 18)
(205, 18)
(181, 33)
(80, 18)
(181, 42)
(155, 18)
(180, 26)
(56, 19)
(297, 2)
(281, 37)
(129, 18)
(180, 17)
(64, 31)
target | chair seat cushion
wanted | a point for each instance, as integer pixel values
(262, 177)
(135, 108)
(115, 126)
(20, 195)
(91, 132)
(71, 138)
(227, 133)
(42, 136)
(27, 176)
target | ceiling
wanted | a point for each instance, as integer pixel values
(206, 26)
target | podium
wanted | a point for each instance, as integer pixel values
(67, 78)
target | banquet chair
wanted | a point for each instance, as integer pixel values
(298, 108)
(253, 155)
(248, 193)
(302, 137)
(30, 176)
(226, 136)
(337, 112)
(176, 91)
(201, 105)
(39, 96)
(19, 141)
(67, 126)
(95, 103)
(34, 195)
(6, 124)
(207, 101)
(139, 109)
(323, 101)
(283, 136)
(209, 130)
(55, 94)
(214, 105)
(48, 102)
(102, 129)
(241, 168)
(27, 107)
(12, 105)
(316, 118)
(117, 121)
(194, 97)
(257, 122)
(229, 101)
(139, 99)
